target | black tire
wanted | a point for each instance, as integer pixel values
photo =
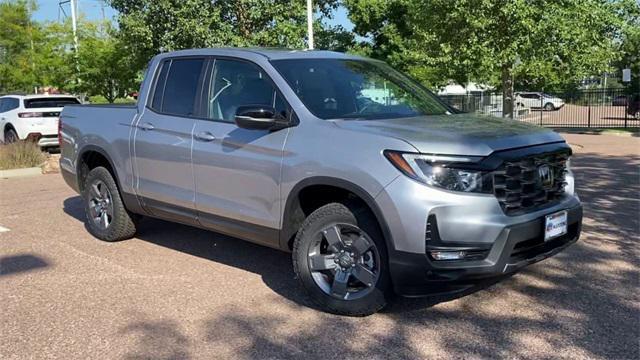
(10, 136)
(549, 107)
(122, 224)
(376, 296)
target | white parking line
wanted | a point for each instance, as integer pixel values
(3, 229)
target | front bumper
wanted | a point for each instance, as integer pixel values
(516, 247)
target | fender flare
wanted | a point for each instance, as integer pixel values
(288, 231)
(101, 151)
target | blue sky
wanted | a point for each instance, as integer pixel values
(92, 10)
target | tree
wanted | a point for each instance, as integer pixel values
(16, 46)
(629, 45)
(154, 26)
(31, 54)
(104, 62)
(543, 43)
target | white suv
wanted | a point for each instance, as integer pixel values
(32, 117)
(539, 100)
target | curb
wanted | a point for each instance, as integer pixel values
(13, 173)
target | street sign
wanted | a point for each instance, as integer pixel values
(626, 75)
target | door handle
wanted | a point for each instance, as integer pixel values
(146, 126)
(205, 136)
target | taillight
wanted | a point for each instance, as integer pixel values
(30, 114)
(60, 133)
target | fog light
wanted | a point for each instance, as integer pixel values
(448, 255)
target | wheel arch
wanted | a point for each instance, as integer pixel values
(97, 156)
(294, 214)
(8, 126)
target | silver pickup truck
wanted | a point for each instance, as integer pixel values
(373, 184)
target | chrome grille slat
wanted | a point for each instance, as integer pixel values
(516, 183)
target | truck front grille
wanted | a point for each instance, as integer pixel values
(524, 184)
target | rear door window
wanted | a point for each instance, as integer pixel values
(181, 86)
(156, 103)
(49, 102)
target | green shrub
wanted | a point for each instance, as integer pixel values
(21, 154)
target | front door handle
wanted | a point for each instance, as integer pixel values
(146, 126)
(205, 136)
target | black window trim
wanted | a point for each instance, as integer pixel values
(156, 76)
(292, 119)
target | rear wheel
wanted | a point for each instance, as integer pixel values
(340, 257)
(549, 107)
(106, 217)
(10, 136)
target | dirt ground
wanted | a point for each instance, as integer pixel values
(176, 292)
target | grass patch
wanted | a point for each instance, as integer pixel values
(21, 154)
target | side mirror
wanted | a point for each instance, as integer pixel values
(258, 117)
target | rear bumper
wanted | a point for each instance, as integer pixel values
(48, 141)
(517, 246)
(43, 140)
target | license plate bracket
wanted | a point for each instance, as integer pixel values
(555, 225)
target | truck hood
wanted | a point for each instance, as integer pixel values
(460, 134)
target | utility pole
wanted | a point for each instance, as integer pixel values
(74, 25)
(310, 23)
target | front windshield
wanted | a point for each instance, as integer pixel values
(356, 89)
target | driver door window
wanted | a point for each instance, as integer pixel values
(237, 83)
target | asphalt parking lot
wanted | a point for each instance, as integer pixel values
(176, 292)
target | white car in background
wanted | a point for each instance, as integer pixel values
(538, 100)
(33, 117)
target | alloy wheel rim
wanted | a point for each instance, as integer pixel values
(344, 262)
(100, 204)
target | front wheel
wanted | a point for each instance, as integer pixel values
(340, 257)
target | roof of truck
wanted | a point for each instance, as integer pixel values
(269, 53)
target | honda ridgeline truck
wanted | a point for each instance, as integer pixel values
(372, 183)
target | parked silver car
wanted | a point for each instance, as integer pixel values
(537, 100)
(372, 194)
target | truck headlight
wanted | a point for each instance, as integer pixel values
(444, 171)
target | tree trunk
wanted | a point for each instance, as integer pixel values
(507, 91)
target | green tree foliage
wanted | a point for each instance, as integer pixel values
(154, 26)
(17, 46)
(105, 66)
(34, 55)
(547, 44)
(629, 45)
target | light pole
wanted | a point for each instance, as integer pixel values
(310, 23)
(74, 25)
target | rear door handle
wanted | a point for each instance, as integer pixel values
(146, 126)
(205, 136)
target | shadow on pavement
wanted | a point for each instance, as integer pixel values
(21, 263)
(585, 303)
